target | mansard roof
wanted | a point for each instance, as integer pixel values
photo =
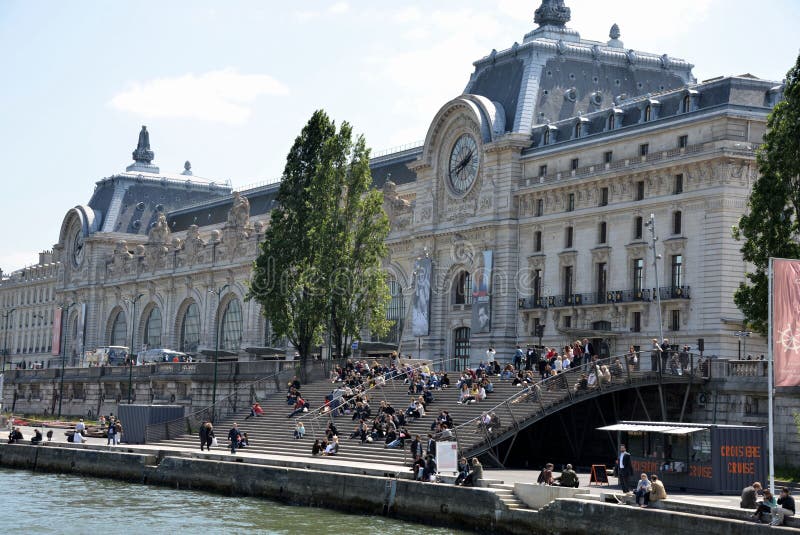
(554, 74)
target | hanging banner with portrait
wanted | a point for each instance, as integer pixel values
(421, 310)
(481, 294)
(57, 331)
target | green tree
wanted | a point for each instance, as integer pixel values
(359, 293)
(324, 235)
(771, 228)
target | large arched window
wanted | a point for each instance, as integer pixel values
(612, 121)
(190, 329)
(396, 310)
(119, 330)
(152, 329)
(461, 343)
(463, 289)
(232, 326)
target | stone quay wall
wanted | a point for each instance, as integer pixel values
(474, 509)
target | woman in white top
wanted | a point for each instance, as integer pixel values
(559, 364)
(481, 393)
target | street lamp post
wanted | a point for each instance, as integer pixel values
(6, 316)
(218, 328)
(132, 300)
(651, 225)
(743, 336)
(64, 313)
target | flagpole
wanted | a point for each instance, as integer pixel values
(770, 379)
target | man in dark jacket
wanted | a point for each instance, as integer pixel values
(624, 468)
(234, 435)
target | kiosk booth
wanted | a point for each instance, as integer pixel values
(721, 459)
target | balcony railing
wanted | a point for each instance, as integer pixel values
(601, 298)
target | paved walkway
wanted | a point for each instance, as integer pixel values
(508, 476)
(322, 463)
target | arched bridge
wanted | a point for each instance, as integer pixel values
(537, 401)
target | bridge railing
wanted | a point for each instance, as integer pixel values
(510, 415)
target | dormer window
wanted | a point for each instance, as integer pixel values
(577, 130)
(612, 121)
(549, 135)
(650, 110)
(689, 102)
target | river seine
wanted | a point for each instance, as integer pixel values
(53, 503)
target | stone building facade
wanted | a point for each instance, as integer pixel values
(539, 181)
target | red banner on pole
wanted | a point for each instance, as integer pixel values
(786, 321)
(57, 332)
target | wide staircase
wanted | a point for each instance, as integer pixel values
(516, 407)
(272, 433)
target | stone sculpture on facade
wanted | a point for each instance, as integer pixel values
(239, 214)
(143, 154)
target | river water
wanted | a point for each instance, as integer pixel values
(53, 503)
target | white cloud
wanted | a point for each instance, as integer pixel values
(339, 7)
(222, 96)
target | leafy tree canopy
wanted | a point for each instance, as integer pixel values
(771, 228)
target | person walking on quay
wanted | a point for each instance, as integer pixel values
(624, 468)
(206, 435)
(117, 431)
(234, 436)
(112, 432)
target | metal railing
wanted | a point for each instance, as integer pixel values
(242, 397)
(543, 396)
(601, 298)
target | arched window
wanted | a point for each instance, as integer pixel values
(119, 330)
(577, 130)
(648, 112)
(612, 121)
(190, 329)
(152, 329)
(232, 326)
(463, 289)
(546, 137)
(687, 104)
(396, 310)
(461, 343)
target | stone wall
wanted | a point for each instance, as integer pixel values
(466, 508)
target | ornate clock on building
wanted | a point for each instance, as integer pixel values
(464, 160)
(77, 248)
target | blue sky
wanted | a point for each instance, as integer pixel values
(228, 85)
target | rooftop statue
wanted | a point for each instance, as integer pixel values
(143, 154)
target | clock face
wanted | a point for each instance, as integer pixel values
(77, 248)
(464, 160)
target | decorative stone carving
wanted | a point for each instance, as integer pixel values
(239, 214)
(159, 233)
(142, 153)
(120, 259)
(552, 13)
